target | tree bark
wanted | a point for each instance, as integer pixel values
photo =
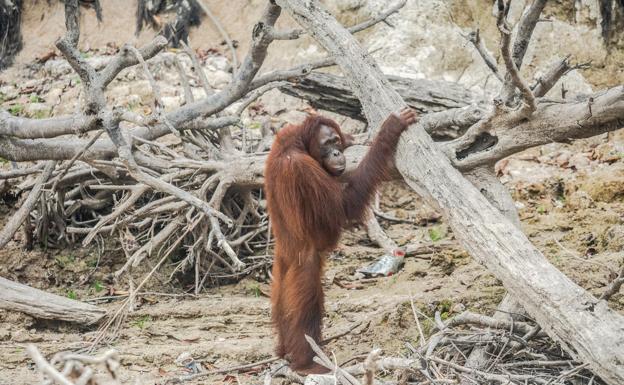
(39, 304)
(585, 327)
(333, 93)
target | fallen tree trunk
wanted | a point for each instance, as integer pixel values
(39, 304)
(585, 327)
(333, 93)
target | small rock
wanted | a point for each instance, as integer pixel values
(613, 238)
(458, 308)
(608, 153)
(218, 79)
(57, 68)
(219, 62)
(129, 76)
(5, 335)
(171, 102)
(8, 93)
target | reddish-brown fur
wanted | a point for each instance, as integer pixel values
(308, 209)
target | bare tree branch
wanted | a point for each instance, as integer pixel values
(525, 28)
(475, 38)
(513, 74)
(561, 67)
(614, 286)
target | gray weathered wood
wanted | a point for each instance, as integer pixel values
(585, 327)
(485, 180)
(39, 304)
(333, 93)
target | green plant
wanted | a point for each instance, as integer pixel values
(97, 286)
(255, 291)
(71, 294)
(444, 307)
(16, 109)
(141, 322)
(64, 260)
(92, 262)
(435, 234)
(41, 114)
(133, 106)
(34, 98)
(541, 209)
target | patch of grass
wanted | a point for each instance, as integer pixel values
(541, 209)
(16, 109)
(72, 294)
(427, 326)
(435, 234)
(255, 291)
(134, 106)
(41, 114)
(34, 98)
(141, 322)
(64, 261)
(444, 307)
(97, 286)
(92, 262)
(4, 161)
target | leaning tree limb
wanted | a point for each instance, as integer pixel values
(584, 326)
(39, 304)
(484, 178)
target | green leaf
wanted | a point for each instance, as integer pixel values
(72, 294)
(435, 234)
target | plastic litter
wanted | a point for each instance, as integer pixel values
(385, 266)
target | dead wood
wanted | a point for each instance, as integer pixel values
(39, 304)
